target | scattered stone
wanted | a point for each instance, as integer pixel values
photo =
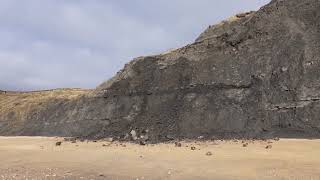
(70, 139)
(134, 134)
(245, 145)
(213, 138)
(126, 136)
(142, 143)
(170, 137)
(200, 137)
(58, 143)
(146, 137)
(193, 148)
(268, 146)
(209, 153)
(145, 131)
(276, 139)
(177, 144)
(110, 139)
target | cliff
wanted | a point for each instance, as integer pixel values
(253, 75)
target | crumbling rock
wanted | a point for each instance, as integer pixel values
(254, 75)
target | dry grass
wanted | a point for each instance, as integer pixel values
(21, 103)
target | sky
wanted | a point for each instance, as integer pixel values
(47, 44)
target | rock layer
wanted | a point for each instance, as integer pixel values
(254, 75)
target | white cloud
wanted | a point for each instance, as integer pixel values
(80, 43)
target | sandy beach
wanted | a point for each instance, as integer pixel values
(41, 158)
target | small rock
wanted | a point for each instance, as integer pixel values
(177, 144)
(193, 148)
(134, 134)
(245, 145)
(126, 136)
(142, 143)
(110, 139)
(268, 146)
(73, 141)
(276, 139)
(200, 137)
(145, 131)
(209, 153)
(170, 137)
(58, 143)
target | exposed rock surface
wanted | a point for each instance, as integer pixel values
(256, 74)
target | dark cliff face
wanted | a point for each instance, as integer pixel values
(253, 75)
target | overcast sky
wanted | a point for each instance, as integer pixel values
(80, 43)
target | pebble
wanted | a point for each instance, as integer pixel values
(134, 134)
(276, 139)
(110, 139)
(142, 143)
(268, 146)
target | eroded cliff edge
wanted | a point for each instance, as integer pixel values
(256, 74)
